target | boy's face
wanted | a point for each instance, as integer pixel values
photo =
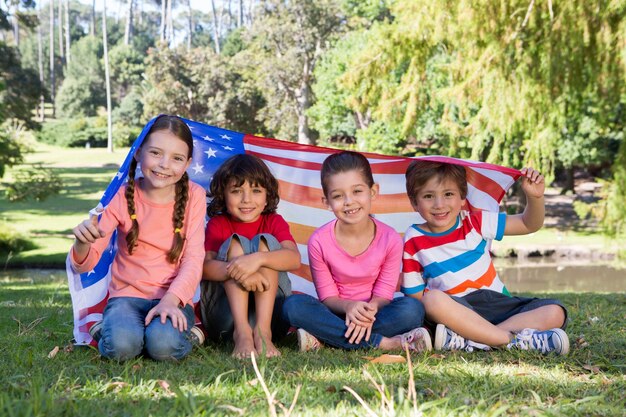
(245, 202)
(439, 202)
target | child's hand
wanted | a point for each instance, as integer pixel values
(255, 283)
(168, 307)
(361, 313)
(241, 267)
(356, 333)
(532, 183)
(88, 231)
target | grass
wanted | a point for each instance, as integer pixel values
(76, 381)
(37, 314)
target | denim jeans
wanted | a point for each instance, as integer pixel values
(214, 308)
(306, 312)
(125, 336)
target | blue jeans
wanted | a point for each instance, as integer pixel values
(399, 316)
(125, 336)
(214, 308)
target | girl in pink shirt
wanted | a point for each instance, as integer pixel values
(158, 265)
(355, 262)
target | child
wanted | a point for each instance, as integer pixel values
(158, 265)
(447, 265)
(355, 261)
(248, 249)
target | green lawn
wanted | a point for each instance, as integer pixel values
(76, 381)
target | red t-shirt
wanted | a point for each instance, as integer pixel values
(222, 226)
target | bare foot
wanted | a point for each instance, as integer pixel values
(263, 341)
(244, 343)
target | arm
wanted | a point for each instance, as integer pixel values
(532, 218)
(286, 258)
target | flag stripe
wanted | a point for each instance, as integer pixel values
(297, 168)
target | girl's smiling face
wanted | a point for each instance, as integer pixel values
(164, 158)
(439, 202)
(349, 196)
(245, 203)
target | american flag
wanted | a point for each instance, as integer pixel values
(297, 168)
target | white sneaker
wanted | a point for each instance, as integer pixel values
(418, 340)
(306, 341)
(553, 340)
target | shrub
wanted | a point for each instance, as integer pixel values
(13, 242)
(37, 183)
(74, 132)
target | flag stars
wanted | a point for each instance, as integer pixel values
(228, 148)
(208, 139)
(211, 153)
(197, 168)
(225, 137)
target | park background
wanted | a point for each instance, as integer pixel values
(512, 82)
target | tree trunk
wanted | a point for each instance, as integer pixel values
(169, 35)
(216, 33)
(107, 79)
(189, 26)
(163, 18)
(61, 40)
(240, 14)
(303, 99)
(92, 29)
(52, 56)
(128, 32)
(68, 55)
(42, 99)
(16, 26)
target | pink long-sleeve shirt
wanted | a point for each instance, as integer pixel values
(147, 273)
(376, 271)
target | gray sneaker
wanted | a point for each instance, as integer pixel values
(553, 340)
(197, 336)
(446, 339)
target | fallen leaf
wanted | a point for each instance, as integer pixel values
(165, 386)
(68, 348)
(116, 386)
(521, 374)
(438, 356)
(253, 382)
(136, 367)
(53, 352)
(592, 368)
(386, 358)
(331, 388)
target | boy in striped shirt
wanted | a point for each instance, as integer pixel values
(447, 265)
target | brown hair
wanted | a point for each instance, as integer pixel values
(345, 161)
(179, 128)
(419, 172)
(241, 168)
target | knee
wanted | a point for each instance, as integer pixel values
(433, 299)
(412, 310)
(292, 306)
(163, 343)
(554, 316)
(120, 344)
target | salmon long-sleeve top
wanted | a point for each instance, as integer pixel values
(147, 273)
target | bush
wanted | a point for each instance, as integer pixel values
(13, 242)
(36, 183)
(74, 132)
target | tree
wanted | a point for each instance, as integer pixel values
(129, 28)
(516, 73)
(288, 38)
(82, 91)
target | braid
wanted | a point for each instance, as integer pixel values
(182, 195)
(133, 233)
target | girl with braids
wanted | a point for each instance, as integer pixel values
(248, 249)
(158, 265)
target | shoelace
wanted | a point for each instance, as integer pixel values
(526, 340)
(457, 342)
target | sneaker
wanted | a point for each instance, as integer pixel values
(446, 339)
(197, 336)
(418, 340)
(306, 341)
(553, 340)
(96, 331)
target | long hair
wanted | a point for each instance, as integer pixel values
(180, 129)
(345, 161)
(241, 168)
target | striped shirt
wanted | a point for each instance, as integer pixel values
(456, 261)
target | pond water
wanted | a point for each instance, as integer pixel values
(534, 275)
(538, 275)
